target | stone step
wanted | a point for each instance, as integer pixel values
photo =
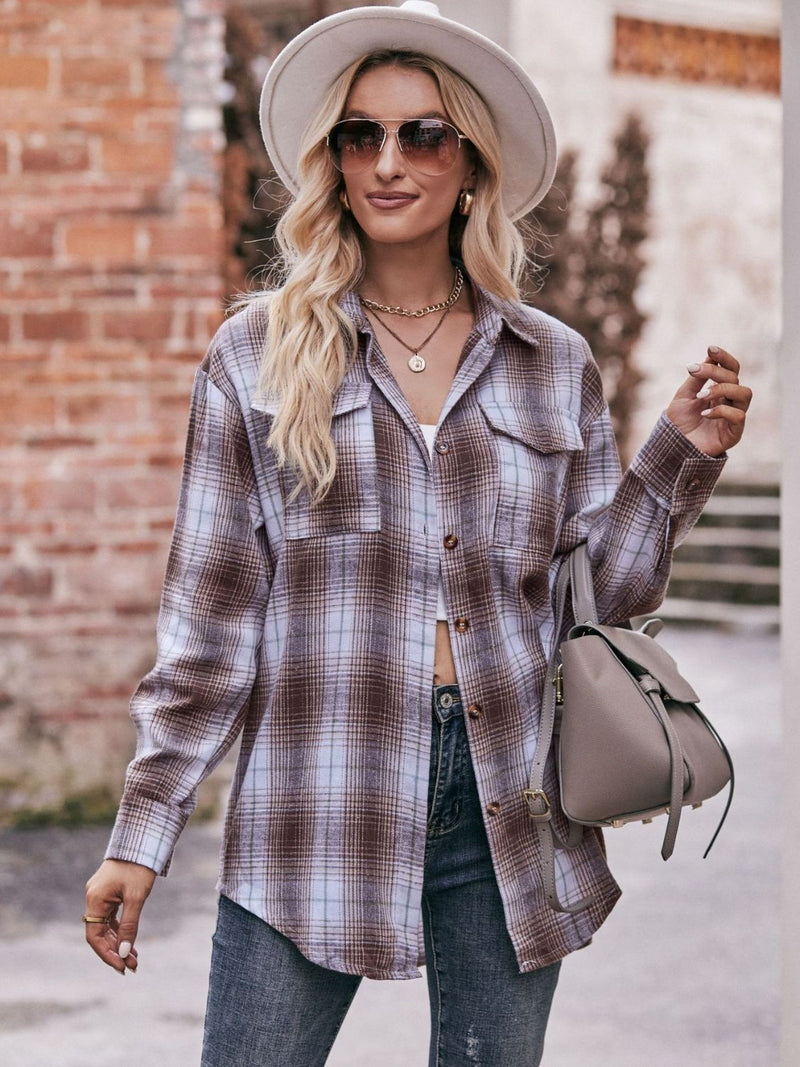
(743, 506)
(719, 613)
(733, 537)
(727, 573)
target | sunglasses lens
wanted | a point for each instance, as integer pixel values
(429, 145)
(354, 143)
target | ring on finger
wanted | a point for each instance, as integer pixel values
(95, 919)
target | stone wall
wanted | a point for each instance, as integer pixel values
(110, 288)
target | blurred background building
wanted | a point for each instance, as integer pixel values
(136, 199)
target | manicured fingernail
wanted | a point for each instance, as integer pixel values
(124, 950)
(713, 349)
(704, 392)
(706, 412)
(693, 368)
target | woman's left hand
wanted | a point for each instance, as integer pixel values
(710, 407)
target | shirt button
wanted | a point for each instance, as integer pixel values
(442, 447)
(450, 541)
(462, 624)
(694, 483)
(493, 809)
(474, 711)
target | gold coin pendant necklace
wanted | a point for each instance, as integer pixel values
(416, 362)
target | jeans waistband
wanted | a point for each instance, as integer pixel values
(447, 702)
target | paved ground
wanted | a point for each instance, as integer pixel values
(685, 972)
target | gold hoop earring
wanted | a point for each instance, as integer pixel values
(465, 201)
(343, 199)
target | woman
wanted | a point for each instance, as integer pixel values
(388, 458)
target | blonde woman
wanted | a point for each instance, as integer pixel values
(388, 457)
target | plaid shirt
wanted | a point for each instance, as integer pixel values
(310, 630)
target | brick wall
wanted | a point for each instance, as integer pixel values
(110, 287)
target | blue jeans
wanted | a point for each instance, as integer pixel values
(268, 1006)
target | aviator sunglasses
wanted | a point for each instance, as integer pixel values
(429, 145)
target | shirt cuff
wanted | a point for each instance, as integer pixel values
(677, 473)
(145, 832)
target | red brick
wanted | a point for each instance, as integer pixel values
(28, 410)
(55, 158)
(25, 237)
(9, 495)
(102, 240)
(158, 31)
(98, 410)
(60, 494)
(207, 321)
(138, 547)
(170, 239)
(27, 581)
(138, 157)
(36, 283)
(56, 378)
(171, 365)
(67, 548)
(140, 5)
(110, 287)
(147, 324)
(172, 286)
(24, 72)
(55, 325)
(167, 460)
(164, 525)
(157, 80)
(26, 529)
(57, 442)
(153, 490)
(128, 585)
(172, 404)
(93, 76)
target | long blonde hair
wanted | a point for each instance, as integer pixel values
(310, 338)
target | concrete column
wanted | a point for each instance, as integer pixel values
(790, 520)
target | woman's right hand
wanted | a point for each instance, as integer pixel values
(117, 884)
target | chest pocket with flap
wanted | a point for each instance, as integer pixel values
(535, 447)
(352, 504)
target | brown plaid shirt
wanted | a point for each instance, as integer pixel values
(310, 631)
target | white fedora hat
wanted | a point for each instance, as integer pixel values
(301, 75)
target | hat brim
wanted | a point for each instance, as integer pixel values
(302, 74)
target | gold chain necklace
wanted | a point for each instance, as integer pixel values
(445, 305)
(416, 362)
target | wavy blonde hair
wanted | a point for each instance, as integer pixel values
(310, 339)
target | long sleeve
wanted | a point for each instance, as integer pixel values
(188, 710)
(632, 524)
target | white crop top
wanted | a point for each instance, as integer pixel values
(429, 432)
